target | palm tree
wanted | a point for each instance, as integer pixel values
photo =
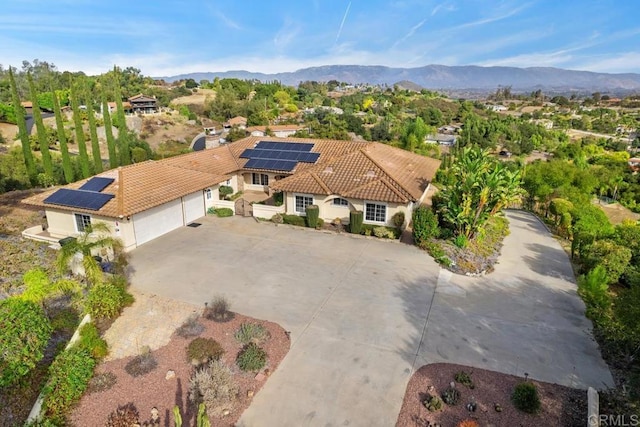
(38, 287)
(97, 236)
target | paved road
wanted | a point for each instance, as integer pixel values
(364, 314)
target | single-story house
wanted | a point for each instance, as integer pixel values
(113, 106)
(279, 131)
(441, 138)
(238, 121)
(143, 201)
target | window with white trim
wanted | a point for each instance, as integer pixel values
(207, 192)
(302, 202)
(375, 212)
(82, 222)
(260, 179)
(339, 201)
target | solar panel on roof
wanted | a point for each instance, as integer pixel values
(82, 199)
(284, 146)
(97, 183)
(279, 165)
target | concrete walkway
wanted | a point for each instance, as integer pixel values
(364, 313)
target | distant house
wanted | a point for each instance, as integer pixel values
(634, 164)
(545, 123)
(441, 138)
(448, 129)
(335, 110)
(496, 107)
(143, 104)
(279, 131)
(238, 121)
(113, 106)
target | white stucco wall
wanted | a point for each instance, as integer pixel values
(62, 223)
(328, 212)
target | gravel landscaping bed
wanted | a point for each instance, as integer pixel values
(560, 406)
(168, 384)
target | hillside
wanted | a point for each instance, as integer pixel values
(445, 77)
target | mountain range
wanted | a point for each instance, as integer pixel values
(442, 77)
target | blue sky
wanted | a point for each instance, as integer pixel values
(168, 37)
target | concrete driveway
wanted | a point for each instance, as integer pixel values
(364, 314)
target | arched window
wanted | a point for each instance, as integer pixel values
(338, 201)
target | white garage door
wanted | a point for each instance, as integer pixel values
(193, 206)
(155, 222)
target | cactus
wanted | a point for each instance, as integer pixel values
(177, 418)
(203, 420)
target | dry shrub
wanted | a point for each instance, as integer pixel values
(213, 385)
(125, 416)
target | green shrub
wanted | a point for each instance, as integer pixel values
(278, 198)
(102, 382)
(433, 403)
(594, 290)
(142, 364)
(464, 378)
(218, 310)
(356, 218)
(384, 233)
(213, 385)
(223, 212)
(65, 320)
(211, 211)
(313, 212)
(294, 220)
(24, 333)
(225, 191)
(251, 358)
(104, 301)
(203, 350)
(525, 397)
(190, 328)
(69, 375)
(451, 396)
(235, 196)
(91, 341)
(320, 224)
(398, 219)
(425, 225)
(251, 332)
(461, 241)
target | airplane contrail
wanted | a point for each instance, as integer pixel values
(344, 18)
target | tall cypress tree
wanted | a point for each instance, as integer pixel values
(95, 145)
(125, 152)
(67, 168)
(80, 138)
(22, 130)
(108, 131)
(43, 140)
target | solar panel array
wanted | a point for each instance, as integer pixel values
(284, 146)
(280, 156)
(82, 199)
(97, 183)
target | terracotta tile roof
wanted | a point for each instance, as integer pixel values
(125, 104)
(140, 187)
(362, 170)
(275, 128)
(373, 171)
(237, 120)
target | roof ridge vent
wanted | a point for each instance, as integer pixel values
(328, 169)
(370, 174)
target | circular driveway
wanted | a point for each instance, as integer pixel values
(364, 314)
